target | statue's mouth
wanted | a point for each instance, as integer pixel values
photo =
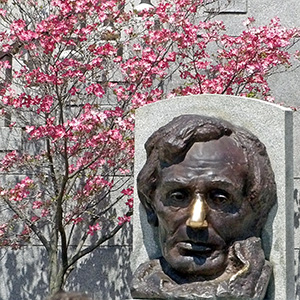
(191, 248)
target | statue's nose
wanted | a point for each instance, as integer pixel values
(198, 213)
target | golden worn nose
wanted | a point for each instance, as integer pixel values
(197, 218)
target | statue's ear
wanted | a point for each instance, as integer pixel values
(151, 214)
(152, 217)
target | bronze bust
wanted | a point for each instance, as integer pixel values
(208, 186)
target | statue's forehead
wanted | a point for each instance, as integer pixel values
(225, 149)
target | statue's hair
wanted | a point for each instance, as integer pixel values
(169, 145)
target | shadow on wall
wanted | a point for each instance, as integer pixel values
(297, 213)
(23, 273)
(297, 257)
(104, 274)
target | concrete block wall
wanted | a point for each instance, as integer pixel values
(106, 273)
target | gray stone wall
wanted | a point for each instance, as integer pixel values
(106, 272)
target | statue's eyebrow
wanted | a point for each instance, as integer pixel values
(172, 182)
(220, 182)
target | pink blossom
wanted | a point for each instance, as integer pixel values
(17, 25)
(3, 228)
(45, 212)
(93, 229)
(26, 230)
(124, 171)
(73, 90)
(9, 160)
(37, 204)
(128, 191)
(2, 12)
(95, 89)
(6, 47)
(34, 219)
(21, 190)
(5, 64)
(123, 219)
(77, 220)
(45, 104)
(249, 21)
(29, 129)
(136, 47)
(129, 203)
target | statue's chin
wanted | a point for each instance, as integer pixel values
(186, 269)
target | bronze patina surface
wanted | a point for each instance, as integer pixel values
(208, 186)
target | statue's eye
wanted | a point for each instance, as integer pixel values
(219, 196)
(178, 196)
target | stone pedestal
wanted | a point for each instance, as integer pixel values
(273, 125)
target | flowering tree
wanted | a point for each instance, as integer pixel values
(73, 72)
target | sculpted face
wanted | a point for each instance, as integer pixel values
(201, 208)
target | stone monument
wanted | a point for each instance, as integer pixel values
(207, 188)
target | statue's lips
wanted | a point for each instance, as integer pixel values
(191, 248)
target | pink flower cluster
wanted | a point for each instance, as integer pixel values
(128, 192)
(44, 104)
(9, 160)
(20, 191)
(93, 229)
(96, 184)
(123, 219)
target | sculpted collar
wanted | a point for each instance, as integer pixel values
(246, 277)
